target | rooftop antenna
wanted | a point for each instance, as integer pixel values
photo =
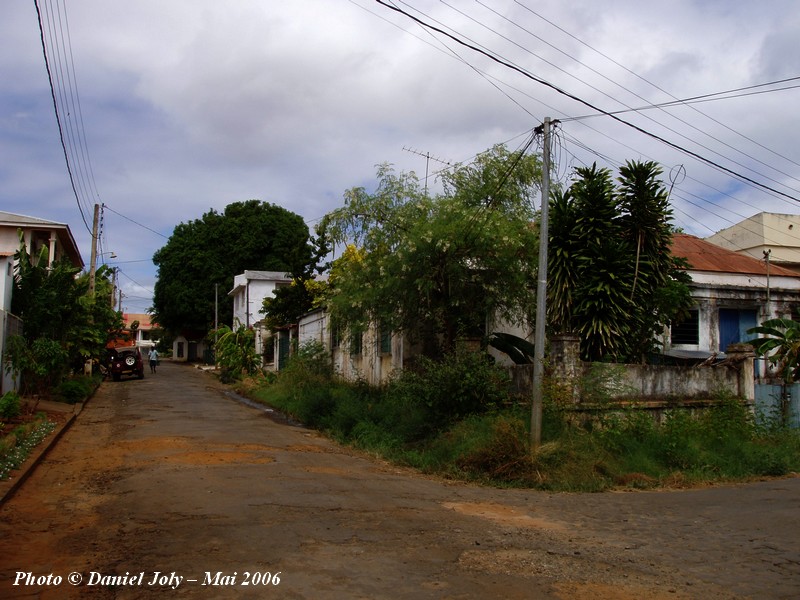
(428, 159)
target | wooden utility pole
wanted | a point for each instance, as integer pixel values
(541, 296)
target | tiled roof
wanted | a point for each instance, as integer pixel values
(705, 256)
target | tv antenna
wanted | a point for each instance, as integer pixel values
(428, 158)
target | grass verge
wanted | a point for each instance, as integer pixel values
(485, 439)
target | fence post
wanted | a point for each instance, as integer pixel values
(565, 361)
(743, 356)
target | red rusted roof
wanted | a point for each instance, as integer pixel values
(705, 256)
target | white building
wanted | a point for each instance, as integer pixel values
(249, 291)
(772, 235)
(37, 234)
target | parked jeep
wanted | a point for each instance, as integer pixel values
(126, 360)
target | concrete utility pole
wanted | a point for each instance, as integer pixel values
(541, 295)
(93, 260)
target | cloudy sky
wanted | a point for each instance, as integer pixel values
(177, 107)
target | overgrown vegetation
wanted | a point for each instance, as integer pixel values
(235, 352)
(457, 419)
(65, 323)
(612, 276)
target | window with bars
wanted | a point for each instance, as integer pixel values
(687, 332)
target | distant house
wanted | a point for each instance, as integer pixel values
(146, 332)
(763, 236)
(732, 293)
(249, 291)
(37, 234)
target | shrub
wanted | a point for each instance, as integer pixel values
(75, 390)
(10, 405)
(460, 384)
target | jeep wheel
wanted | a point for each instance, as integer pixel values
(116, 376)
(130, 360)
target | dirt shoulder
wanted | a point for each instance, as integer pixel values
(169, 475)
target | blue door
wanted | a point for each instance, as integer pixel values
(733, 326)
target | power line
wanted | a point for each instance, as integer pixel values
(628, 108)
(650, 83)
(58, 118)
(557, 89)
(135, 222)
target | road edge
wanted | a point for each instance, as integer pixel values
(10, 486)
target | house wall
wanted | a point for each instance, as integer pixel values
(249, 291)
(713, 292)
(777, 233)
(188, 350)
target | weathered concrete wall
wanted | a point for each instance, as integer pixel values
(658, 384)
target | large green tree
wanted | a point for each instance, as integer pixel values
(208, 252)
(612, 276)
(438, 267)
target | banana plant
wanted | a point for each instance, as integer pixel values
(780, 344)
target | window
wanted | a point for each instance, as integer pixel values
(336, 337)
(269, 350)
(687, 332)
(355, 344)
(384, 340)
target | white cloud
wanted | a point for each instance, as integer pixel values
(190, 105)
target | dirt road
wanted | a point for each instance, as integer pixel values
(170, 488)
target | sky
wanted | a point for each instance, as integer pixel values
(174, 108)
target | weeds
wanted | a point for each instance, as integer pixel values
(457, 420)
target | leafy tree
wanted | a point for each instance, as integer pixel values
(438, 267)
(210, 251)
(64, 325)
(612, 276)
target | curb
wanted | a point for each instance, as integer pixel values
(9, 487)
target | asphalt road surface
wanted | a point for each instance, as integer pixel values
(171, 488)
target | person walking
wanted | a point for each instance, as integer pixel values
(153, 356)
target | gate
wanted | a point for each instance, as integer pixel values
(772, 402)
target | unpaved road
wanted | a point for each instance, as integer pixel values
(170, 476)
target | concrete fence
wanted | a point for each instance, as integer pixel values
(601, 386)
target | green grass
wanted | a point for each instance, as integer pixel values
(490, 444)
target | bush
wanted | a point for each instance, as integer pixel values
(460, 384)
(75, 390)
(10, 405)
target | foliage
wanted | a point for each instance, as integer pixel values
(17, 446)
(438, 267)
(781, 344)
(518, 349)
(64, 323)
(76, 389)
(211, 251)
(235, 351)
(10, 406)
(612, 276)
(623, 447)
(461, 383)
(306, 292)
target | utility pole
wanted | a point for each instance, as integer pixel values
(93, 260)
(541, 295)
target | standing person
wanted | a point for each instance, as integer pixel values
(153, 356)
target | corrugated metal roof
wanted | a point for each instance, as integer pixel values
(705, 256)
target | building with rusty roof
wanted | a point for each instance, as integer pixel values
(733, 292)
